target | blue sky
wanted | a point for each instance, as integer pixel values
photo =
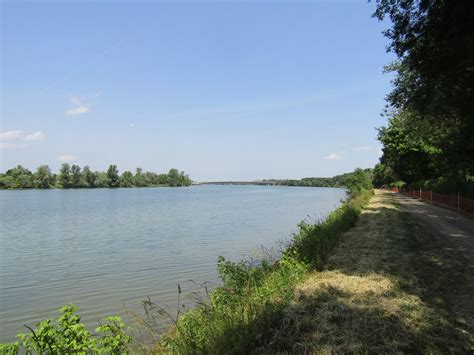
(222, 90)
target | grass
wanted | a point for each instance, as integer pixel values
(384, 289)
(237, 316)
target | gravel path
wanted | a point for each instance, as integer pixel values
(456, 234)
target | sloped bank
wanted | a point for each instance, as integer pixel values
(252, 299)
(386, 288)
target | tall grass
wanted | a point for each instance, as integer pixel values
(252, 298)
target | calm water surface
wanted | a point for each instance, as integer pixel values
(106, 248)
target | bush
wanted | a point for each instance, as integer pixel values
(68, 335)
(313, 242)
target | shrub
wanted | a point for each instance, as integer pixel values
(68, 335)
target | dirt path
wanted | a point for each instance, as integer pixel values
(455, 233)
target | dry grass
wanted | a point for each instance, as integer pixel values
(383, 290)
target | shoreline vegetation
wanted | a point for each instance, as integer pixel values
(347, 180)
(250, 299)
(75, 177)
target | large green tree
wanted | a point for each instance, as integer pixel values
(21, 177)
(432, 127)
(88, 177)
(44, 179)
(76, 176)
(126, 179)
(113, 176)
(64, 177)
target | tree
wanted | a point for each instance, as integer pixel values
(184, 179)
(162, 179)
(64, 177)
(76, 176)
(88, 177)
(174, 178)
(126, 179)
(139, 179)
(43, 177)
(7, 182)
(359, 180)
(101, 179)
(410, 150)
(434, 82)
(383, 175)
(113, 176)
(21, 177)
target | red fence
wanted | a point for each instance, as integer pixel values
(458, 202)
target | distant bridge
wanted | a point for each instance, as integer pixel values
(257, 182)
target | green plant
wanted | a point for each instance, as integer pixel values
(68, 335)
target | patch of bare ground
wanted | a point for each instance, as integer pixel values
(385, 289)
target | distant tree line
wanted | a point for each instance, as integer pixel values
(73, 176)
(358, 179)
(429, 139)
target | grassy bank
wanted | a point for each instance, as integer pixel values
(237, 316)
(384, 289)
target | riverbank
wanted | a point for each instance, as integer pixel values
(385, 288)
(236, 316)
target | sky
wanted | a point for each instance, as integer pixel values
(229, 90)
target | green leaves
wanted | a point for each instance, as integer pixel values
(68, 335)
(113, 339)
(72, 177)
(431, 133)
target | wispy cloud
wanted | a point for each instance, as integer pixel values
(13, 139)
(36, 136)
(80, 107)
(11, 135)
(333, 156)
(66, 158)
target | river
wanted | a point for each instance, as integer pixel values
(107, 249)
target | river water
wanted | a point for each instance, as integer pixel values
(106, 250)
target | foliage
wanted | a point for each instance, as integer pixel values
(68, 335)
(73, 177)
(313, 241)
(382, 175)
(343, 180)
(113, 176)
(17, 178)
(64, 177)
(43, 178)
(359, 180)
(89, 178)
(430, 131)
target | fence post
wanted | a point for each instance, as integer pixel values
(459, 205)
(421, 198)
(431, 196)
